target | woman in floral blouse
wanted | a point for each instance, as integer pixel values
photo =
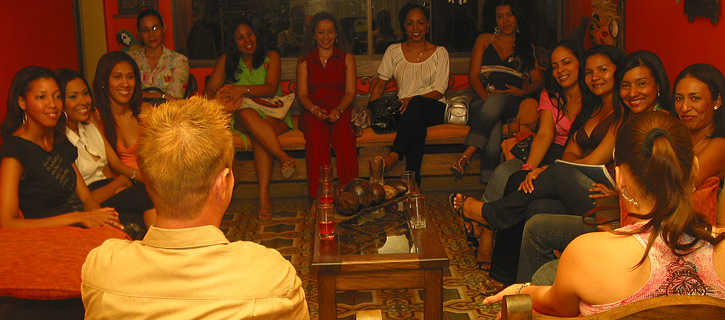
(160, 67)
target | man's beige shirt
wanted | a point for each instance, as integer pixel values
(193, 273)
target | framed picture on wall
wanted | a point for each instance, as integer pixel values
(606, 24)
(134, 7)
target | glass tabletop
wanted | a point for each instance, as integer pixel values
(384, 231)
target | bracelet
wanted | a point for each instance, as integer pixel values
(523, 285)
(163, 96)
(133, 175)
(248, 90)
(527, 166)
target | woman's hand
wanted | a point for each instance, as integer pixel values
(319, 113)
(528, 185)
(599, 190)
(99, 218)
(334, 115)
(509, 291)
(405, 102)
(231, 96)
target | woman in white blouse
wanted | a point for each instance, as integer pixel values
(420, 70)
(112, 183)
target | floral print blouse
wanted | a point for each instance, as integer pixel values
(170, 75)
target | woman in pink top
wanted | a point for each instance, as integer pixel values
(669, 250)
(117, 86)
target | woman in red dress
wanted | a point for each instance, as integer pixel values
(326, 88)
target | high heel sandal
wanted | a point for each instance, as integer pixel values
(458, 167)
(482, 243)
(288, 169)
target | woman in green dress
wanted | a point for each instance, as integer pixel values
(248, 69)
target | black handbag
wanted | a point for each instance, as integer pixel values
(522, 148)
(385, 114)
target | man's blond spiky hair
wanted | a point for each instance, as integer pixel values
(183, 147)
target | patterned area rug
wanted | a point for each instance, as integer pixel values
(290, 231)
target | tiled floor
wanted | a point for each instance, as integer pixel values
(291, 230)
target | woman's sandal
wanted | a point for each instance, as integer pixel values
(468, 224)
(490, 287)
(288, 169)
(458, 167)
(483, 242)
(264, 214)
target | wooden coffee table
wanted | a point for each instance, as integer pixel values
(380, 251)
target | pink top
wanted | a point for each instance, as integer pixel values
(128, 155)
(562, 123)
(692, 274)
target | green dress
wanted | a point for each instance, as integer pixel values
(256, 77)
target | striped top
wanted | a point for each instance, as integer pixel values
(415, 78)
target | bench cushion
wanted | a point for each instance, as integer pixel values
(45, 263)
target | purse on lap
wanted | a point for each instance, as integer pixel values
(275, 107)
(385, 114)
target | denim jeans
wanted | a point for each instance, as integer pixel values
(562, 182)
(499, 178)
(543, 234)
(485, 113)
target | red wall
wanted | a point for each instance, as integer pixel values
(664, 29)
(35, 32)
(115, 24)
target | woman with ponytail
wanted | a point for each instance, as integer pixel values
(669, 249)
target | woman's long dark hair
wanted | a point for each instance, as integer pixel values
(103, 96)
(590, 102)
(403, 14)
(715, 82)
(656, 150)
(231, 64)
(309, 45)
(19, 88)
(556, 92)
(522, 46)
(652, 62)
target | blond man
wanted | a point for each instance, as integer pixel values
(185, 268)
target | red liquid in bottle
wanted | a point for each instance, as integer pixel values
(327, 230)
(327, 199)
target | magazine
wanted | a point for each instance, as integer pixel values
(596, 172)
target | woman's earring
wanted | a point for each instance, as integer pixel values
(25, 117)
(717, 106)
(497, 30)
(626, 197)
(517, 29)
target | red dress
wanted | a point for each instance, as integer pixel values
(326, 87)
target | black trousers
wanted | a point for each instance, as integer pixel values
(133, 200)
(412, 129)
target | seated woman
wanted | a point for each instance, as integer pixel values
(669, 250)
(420, 70)
(39, 184)
(96, 157)
(326, 88)
(639, 78)
(508, 46)
(698, 91)
(160, 67)
(248, 69)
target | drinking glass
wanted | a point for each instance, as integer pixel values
(326, 185)
(417, 209)
(376, 169)
(326, 221)
(409, 178)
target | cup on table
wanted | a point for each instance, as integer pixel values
(377, 165)
(417, 209)
(513, 126)
(326, 172)
(409, 178)
(326, 185)
(326, 221)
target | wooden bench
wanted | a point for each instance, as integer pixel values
(519, 307)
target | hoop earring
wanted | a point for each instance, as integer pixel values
(496, 30)
(626, 197)
(517, 29)
(25, 117)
